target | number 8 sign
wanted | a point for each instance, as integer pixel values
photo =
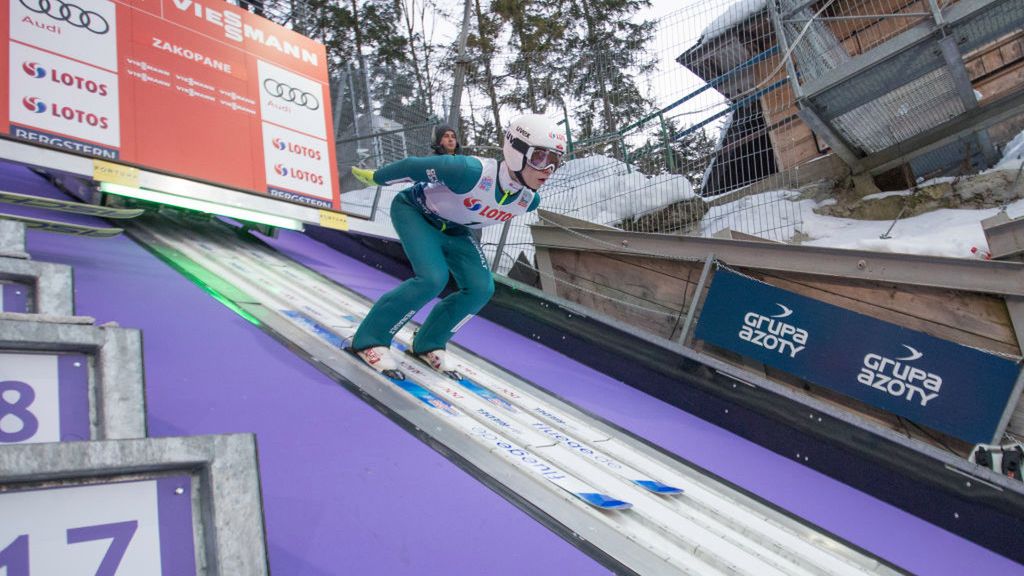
(117, 529)
(43, 398)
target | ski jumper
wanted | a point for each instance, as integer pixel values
(452, 196)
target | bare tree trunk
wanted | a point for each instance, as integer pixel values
(519, 29)
(408, 8)
(359, 53)
(609, 120)
(492, 92)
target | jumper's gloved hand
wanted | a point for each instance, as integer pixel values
(363, 175)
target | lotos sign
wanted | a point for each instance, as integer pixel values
(953, 388)
(199, 89)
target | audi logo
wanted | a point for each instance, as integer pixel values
(289, 94)
(73, 14)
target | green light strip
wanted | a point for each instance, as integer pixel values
(231, 305)
(179, 264)
(201, 206)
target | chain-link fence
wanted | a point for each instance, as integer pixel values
(716, 120)
(690, 126)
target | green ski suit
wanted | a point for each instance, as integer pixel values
(452, 195)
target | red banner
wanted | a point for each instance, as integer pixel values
(202, 90)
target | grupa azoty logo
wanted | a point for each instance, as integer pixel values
(772, 333)
(899, 378)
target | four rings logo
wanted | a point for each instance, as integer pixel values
(771, 333)
(289, 94)
(898, 378)
(73, 14)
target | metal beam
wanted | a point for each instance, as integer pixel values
(969, 122)
(1005, 236)
(825, 131)
(965, 91)
(1001, 278)
(907, 56)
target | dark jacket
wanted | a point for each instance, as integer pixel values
(438, 133)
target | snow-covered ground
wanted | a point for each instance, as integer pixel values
(604, 190)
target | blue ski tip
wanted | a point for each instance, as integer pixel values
(603, 501)
(658, 487)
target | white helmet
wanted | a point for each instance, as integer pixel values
(528, 137)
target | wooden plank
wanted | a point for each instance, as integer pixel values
(973, 320)
(992, 61)
(666, 284)
(1016, 425)
(642, 297)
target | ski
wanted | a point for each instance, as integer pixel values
(63, 227)
(576, 446)
(497, 444)
(45, 203)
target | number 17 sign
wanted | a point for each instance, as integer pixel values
(133, 528)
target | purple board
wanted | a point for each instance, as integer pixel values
(174, 509)
(15, 297)
(73, 381)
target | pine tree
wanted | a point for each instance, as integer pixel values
(605, 53)
(482, 45)
(538, 31)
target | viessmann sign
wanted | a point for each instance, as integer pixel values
(198, 89)
(953, 388)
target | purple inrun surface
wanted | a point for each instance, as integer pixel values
(15, 297)
(345, 489)
(177, 539)
(882, 529)
(73, 383)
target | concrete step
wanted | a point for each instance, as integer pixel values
(71, 380)
(50, 285)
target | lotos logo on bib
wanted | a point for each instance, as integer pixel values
(473, 204)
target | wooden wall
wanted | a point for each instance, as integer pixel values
(655, 294)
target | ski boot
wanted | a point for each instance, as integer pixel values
(437, 360)
(379, 358)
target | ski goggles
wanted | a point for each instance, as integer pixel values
(542, 158)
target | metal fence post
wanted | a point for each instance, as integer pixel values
(684, 335)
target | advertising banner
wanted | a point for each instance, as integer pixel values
(202, 90)
(952, 388)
